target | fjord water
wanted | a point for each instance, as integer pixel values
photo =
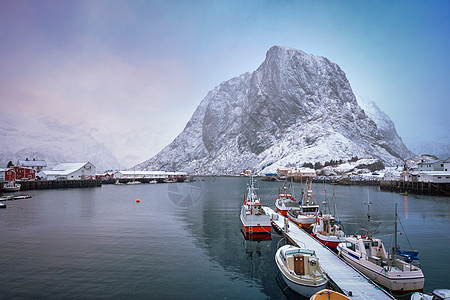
(183, 240)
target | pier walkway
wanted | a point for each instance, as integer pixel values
(346, 278)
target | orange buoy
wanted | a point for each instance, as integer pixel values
(137, 200)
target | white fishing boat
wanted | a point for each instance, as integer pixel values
(254, 220)
(301, 270)
(11, 186)
(369, 256)
(307, 213)
(286, 201)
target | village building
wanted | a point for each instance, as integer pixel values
(7, 174)
(37, 165)
(141, 175)
(24, 173)
(105, 175)
(431, 165)
(70, 171)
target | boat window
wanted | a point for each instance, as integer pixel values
(301, 251)
(350, 246)
(374, 244)
(366, 245)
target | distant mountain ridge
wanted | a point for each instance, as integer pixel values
(295, 108)
(31, 136)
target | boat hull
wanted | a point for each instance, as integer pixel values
(329, 241)
(303, 220)
(257, 229)
(282, 211)
(303, 289)
(396, 282)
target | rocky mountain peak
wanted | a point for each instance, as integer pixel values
(295, 108)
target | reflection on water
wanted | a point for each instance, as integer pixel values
(183, 240)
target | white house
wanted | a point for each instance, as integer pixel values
(429, 176)
(70, 171)
(431, 165)
(37, 165)
(140, 174)
(446, 164)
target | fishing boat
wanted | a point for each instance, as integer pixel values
(300, 270)
(286, 201)
(368, 255)
(11, 186)
(307, 213)
(254, 220)
(326, 230)
(329, 295)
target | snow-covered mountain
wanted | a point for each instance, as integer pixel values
(35, 136)
(295, 108)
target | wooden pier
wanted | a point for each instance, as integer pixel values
(343, 277)
(56, 184)
(417, 187)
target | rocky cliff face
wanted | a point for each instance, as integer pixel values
(294, 108)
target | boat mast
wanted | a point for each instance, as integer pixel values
(396, 247)
(368, 218)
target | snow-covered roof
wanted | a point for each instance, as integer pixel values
(65, 168)
(431, 173)
(429, 162)
(32, 163)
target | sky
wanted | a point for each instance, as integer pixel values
(133, 72)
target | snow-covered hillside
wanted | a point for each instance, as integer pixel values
(35, 136)
(295, 108)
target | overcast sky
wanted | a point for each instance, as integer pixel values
(122, 66)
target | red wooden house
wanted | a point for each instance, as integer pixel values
(24, 173)
(7, 174)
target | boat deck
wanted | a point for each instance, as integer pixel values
(345, 277)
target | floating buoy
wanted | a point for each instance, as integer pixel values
(137, 200)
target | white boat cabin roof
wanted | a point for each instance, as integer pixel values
(287, 251)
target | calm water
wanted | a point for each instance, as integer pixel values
(182, 240)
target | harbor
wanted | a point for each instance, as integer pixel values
(186, 230)
(343, 277)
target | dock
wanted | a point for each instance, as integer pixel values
(342, 276)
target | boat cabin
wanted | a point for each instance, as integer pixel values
(301, 261)
(367, 248)
(310, 209)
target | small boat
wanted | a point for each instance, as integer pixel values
(369, 256)
(286, 201)
(133, 182)
(153, 181)
(307, 213)
(2, 205)
(254, 219)
(11, 186)
(326, 230)
(329, 295)
(438, 294)
(301, 270)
